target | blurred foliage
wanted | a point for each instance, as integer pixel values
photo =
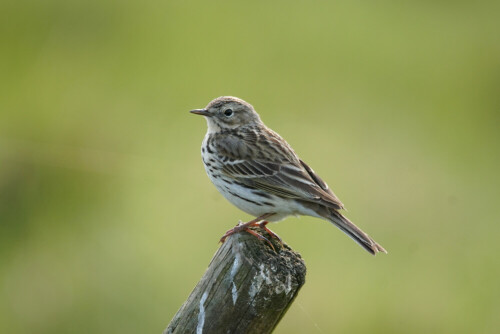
(107, 219)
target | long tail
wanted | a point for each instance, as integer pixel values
(355, 233)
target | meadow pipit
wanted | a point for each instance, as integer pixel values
(257, 171)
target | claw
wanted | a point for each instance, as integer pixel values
(260, 237)
(263, 226)
(234, 230)
(246, 227)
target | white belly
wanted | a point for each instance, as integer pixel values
(249, 200)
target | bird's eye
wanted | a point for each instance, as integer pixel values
(228, 112)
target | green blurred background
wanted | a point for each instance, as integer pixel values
(107, 219)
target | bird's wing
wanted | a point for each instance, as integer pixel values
(263, 165)
(332, 197)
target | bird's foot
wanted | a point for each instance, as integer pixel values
(246, 227)
(238, 228)
(260, 237)
(263, 226)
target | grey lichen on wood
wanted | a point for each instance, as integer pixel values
(247, 288)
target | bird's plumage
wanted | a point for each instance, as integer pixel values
(258, 161)
(259, 172)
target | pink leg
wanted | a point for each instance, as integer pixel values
(263, 226)
(260, 237)
(246, 227)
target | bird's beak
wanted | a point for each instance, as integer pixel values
(203, 112)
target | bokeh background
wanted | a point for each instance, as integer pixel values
(107, 219)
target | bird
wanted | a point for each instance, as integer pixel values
(256, 170)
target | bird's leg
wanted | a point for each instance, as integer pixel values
(246, 227)
(240, 227)
(260, 237)
(263, 226)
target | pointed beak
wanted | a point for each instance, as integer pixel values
(203, 112)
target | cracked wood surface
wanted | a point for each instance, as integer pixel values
(247, 288)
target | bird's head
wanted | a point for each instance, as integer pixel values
(228, 112)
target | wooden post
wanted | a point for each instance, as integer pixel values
(247, 288)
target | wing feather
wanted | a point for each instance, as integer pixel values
(257, 161)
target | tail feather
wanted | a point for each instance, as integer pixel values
(355, 233)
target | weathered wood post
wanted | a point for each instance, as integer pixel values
(247, 288)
